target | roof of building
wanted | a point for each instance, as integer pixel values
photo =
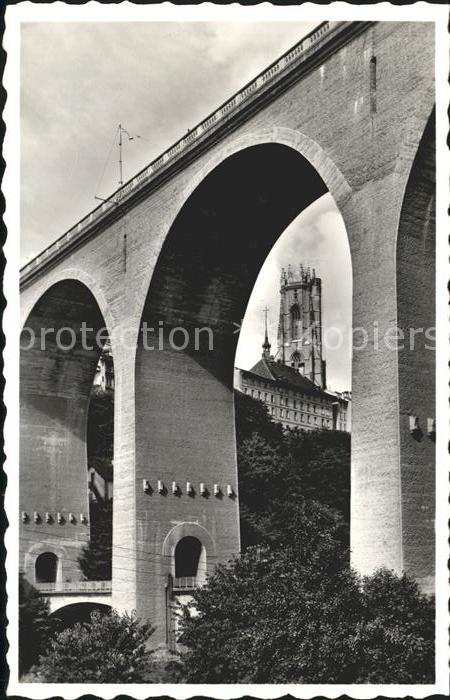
(285, 376)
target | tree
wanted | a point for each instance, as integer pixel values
(273, 481)
(35, 625)
(251, 416)
(321, 460)
(100, 429)
(278, 468)
(96, 558)
(296, 612)
(279, 613)
(396, 632)
(109, 649)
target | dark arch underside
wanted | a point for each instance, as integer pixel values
(217, 245)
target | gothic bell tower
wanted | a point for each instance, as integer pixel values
(300, 324)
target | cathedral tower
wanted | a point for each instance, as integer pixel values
(300, 324)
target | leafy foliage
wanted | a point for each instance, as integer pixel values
(100, 430)
(297, 613)
(252, 417)
(278, 468)
(109, 649)
(396, 632)
(96, 558)
(290, 609)
(35, 625)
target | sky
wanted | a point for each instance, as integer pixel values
(158, 79)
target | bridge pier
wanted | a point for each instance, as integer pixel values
(391, 230)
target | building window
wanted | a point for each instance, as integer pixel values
(271, 398)
(281, 413)
(295, 403)
(287, 414)
(46, 568)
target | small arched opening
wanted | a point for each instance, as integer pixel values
(190, 563)
(46, 568)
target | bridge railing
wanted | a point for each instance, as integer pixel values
(185, 582)
(74, 587)
(298, 54)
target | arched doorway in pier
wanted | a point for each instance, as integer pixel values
(46, 568)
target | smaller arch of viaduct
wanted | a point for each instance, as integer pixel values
(65, 274)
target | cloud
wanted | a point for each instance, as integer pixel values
(80, 80)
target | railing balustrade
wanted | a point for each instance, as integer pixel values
(74, 587)
(185, 582)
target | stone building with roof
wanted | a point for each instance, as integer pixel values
(294, 400)
(292, 385)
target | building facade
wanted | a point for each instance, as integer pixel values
(292, 385)
(293, 400)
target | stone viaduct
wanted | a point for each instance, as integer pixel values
(349, 110)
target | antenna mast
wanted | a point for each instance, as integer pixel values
(120, 156)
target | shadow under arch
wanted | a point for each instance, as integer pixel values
(58, 360)
(207, 267)
(220, 238)
(68, 615)
(416, 317)
(76, 274)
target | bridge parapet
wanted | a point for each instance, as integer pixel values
(68, 593)
(67, 587)
(299, 54)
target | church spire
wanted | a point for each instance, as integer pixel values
(266, 345)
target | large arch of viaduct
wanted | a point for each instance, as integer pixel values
(357, 120)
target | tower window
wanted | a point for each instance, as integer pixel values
(295, 359)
